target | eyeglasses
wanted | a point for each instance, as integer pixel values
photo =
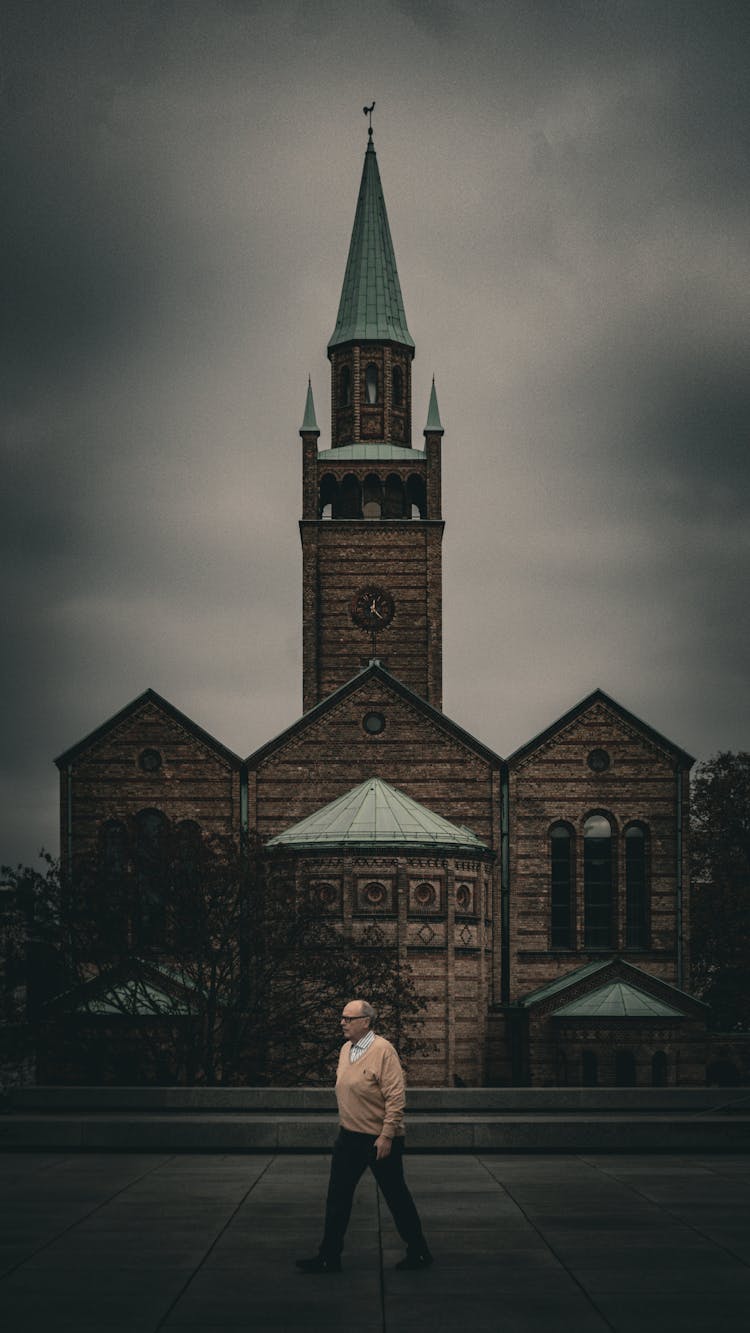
(345, 1018)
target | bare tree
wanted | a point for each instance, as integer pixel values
(224, 973)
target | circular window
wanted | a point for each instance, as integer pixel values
(425, 895)
(598, 761)
(463, 897)
(150, 761)
(374, 894)
(326, 895)
(373, 723)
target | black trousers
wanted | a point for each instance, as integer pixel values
(352, 1154)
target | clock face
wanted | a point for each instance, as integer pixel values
(372, 608)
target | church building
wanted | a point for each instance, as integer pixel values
(541, 899)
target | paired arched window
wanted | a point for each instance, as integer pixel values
(600, 929)
(636, 888)
(597, 883)
(371, 383)
(562, 898)
(398, 386)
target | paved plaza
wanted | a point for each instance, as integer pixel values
(522, 1244)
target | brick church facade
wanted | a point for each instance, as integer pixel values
(540, 900)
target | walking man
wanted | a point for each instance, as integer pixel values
(371, 1092)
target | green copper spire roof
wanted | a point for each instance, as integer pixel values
(371, 305)
(309, 423)
(434, 424)
(375, 812)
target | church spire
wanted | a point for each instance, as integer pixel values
(371, 305)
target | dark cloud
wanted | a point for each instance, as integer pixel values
(567, 189)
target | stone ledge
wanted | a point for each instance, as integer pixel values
(288, 1133)
(312, 1101)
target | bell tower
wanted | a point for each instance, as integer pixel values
(371, 524)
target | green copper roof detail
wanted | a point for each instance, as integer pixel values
(618, 999)
(375, 812)
(434, 424)
(309, 424)
(371, 305)
(402, 453)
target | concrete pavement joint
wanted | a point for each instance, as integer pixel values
(213, 1245)
(543, 1238)
(664, 1208)
(54, 1239)
(380, 1259)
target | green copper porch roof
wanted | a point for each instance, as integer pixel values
(376, 812)
(618, 999)
(371, 305)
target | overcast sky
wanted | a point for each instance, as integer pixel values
(567, 187)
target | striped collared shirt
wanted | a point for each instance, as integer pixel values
(358, 1048)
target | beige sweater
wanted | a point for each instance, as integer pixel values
(372, 1091)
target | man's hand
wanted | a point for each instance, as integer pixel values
(382, 1147)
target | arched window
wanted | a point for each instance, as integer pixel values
(394, 505)
(350, 498)
(636, 888)
(416, 498)
(624, 1069)
(372, 505)
(597, 882)
(561, 886)
(398, 386)
(371, 383)
(151, 865)
(589, 1069)
(345, 387)
(659, 1069)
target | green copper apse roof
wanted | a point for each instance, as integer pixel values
(617, 999)
(375, 812)
(371, 305)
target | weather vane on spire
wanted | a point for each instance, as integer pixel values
(368, 110)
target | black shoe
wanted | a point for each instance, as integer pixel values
(319, 1265)
(416, 1259)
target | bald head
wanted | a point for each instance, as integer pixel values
(357, 1018)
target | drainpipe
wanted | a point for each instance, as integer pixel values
(504, 890)
(680, 840)
(69, 824)
(243, 807)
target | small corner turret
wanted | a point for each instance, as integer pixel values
(309, 422)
